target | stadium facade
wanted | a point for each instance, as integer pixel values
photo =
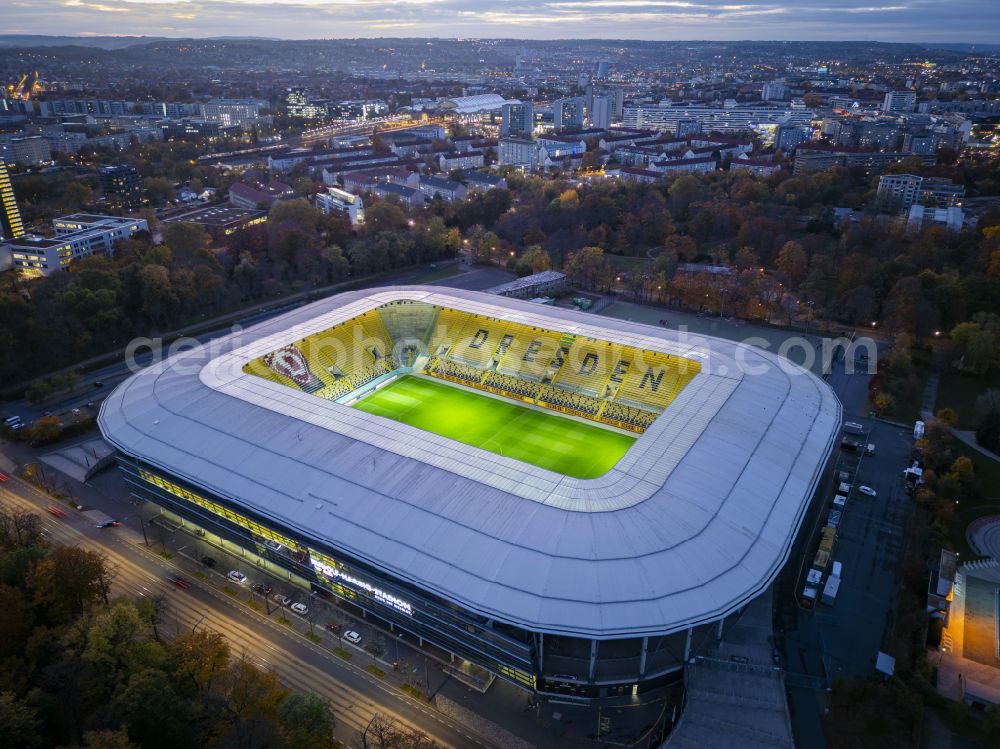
(583, 588)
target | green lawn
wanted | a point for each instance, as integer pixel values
(960, 391)
(542, 439)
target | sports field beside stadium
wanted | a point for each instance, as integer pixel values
(546, 440)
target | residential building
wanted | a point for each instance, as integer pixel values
(900, 191)
(92, 107)
(699, 165)
(121, 185)
(446, 189)
(723, 119)
(517, 118)
(814, 157)
(568, 113)
(561, 145)
(32, 150)
(336, 200)
(460, 160)
(77, 236)
(899, 102)
(409, 196)
(484, 181)
(760, 167)
(11, 225)
(519, 152)
(601, 111)
(637, 174)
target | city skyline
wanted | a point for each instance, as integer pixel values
(723, 20)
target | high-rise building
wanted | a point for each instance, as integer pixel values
(899, 102)
(10, 216)
(121, 185)
(602, 69)
(520, 152)
(774, 91)
(568, 113)
(517, 118)
(601, 111)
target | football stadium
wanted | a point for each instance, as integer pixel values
(576, 504)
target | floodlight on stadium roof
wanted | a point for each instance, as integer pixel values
(694, 521)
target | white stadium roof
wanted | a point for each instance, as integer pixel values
(693, 522)
(476, 103)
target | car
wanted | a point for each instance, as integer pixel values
(208, 561)
(108, 524)
(180, 582)
(261, 589)
(53, 510)
(300, 608)
(272, 545)
(237, 577)
(3, 477)
(333, 627)
(282, 600)
(76, 411)
(98, 385)
(866, 490)
(352, 636)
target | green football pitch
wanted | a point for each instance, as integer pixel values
(559, 444)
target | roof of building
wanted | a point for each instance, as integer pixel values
(477, 103)
(216, 216)
(695, 520)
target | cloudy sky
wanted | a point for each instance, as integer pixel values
(888, 20)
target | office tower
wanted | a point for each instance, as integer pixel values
(600, 113)
(517, 118)
(10, 216)
(568, 113)
(121, 185)
(899, 102)
(602, 69)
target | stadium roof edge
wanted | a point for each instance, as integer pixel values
(703, 527)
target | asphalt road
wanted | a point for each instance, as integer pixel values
(842, 640)
(355, 694)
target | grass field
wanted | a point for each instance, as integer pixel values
(545, 440)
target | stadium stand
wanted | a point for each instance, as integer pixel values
(655, 380)
(600, 380)
(589, 366)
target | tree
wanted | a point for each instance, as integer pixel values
(979, 342)
(159, 300)
(186, 241)
(249, 703)
(197, 661)
(155, 714)
(385, 215)
(792, 262)
(67, 581)
(307, 721)
(535, 260)
(20, 724)
(159, 190)
(108, 740)
(589, 268)
(46, 429)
